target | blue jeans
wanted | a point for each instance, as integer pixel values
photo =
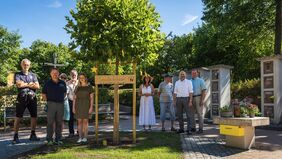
(164, 106)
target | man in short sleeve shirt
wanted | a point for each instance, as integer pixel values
(27, 84)
(183, 95)
(199, 94)
(54, 92)
(165, 95)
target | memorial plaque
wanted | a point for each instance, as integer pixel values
(268, 97)
(215, 98)
(114, 79)
(268, 67)
(214, 86)
(268, 82)
(215, 110)
(269, 111)
(215, 75)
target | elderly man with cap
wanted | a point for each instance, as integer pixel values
(166, 100)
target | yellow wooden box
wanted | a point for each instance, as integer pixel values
(231, 130)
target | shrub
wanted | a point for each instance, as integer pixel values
(248, 88)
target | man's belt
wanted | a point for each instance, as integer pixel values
(197, 95)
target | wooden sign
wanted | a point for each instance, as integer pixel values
(115, 79)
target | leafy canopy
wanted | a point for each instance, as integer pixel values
(121, 29)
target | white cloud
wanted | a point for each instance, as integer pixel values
(55, 4)
(188, 19)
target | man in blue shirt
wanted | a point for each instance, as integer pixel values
(54, 92)
(27, 84)
(199, 94)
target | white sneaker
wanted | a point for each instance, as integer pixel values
(84, 140)
(79, 140)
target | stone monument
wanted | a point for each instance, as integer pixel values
(271, 87)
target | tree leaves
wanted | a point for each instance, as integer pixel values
(102, 29)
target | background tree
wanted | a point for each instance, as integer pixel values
(244, 31)
(9, 53)
(41, 52)
(278, 27)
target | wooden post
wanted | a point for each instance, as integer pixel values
(116, 116)
(134, 105)
(96, 109)
(116, 109)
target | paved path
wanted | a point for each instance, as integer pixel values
(211, 145)
(207, 145)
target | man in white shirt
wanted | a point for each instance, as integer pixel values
(71, 84)
(183, 94)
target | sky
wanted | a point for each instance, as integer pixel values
(45, 19)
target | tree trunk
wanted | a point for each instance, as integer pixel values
(278, 27)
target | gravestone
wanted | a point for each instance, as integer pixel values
(220, 94)
(271, 87)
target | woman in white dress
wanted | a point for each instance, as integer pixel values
(146, 112)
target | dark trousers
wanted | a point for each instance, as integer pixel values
(71, 121)
(55, 115)
(182, 105)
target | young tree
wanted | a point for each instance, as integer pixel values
(115, 29)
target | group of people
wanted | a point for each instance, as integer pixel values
(66, 100)
(187, 96)
(73, 99)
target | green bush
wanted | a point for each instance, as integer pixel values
(6, 99)
(104, 96)
(8, 90)
(248, 88)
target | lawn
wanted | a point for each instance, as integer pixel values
(150, 145)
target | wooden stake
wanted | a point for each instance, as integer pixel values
(116, 116)
(134, 105)
(96, 110)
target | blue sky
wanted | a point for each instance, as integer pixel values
(45, 19)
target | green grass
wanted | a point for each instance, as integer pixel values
(150, 145)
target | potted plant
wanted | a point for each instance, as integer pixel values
(252, 109)
(236, 107)
(226, 111)
(243, 111)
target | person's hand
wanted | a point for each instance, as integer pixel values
(147, 94)
(190, 104)
(90, 110)
(201, 103)
(31, 84)
(73, 111)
